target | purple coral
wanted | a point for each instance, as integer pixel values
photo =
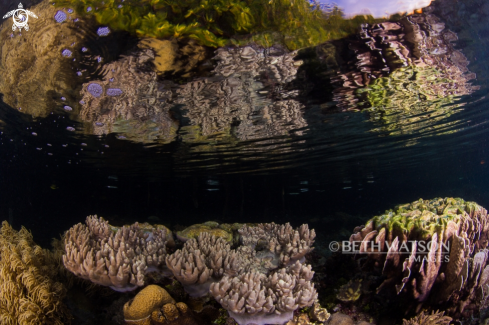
(95, 89)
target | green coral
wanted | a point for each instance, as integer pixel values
(216, 23)
(422, 218)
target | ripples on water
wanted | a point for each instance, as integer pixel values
(388, 99)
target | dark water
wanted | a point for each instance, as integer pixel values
(329, 164)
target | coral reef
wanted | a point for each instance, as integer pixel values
(429, 251)
(118, 259)
(263, 280)
(435, 318)
(29, 293)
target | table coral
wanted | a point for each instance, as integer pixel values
(29, 293)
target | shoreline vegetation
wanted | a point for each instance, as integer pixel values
(217, 23)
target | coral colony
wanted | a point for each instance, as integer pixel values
(257, 273)
(272, 282)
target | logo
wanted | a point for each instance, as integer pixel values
(20, 17)
(417, 250)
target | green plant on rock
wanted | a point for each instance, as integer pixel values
(216, 23)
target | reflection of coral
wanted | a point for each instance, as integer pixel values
(29, 294)
(404, 69)
(436, 318)
(140, 111)
(231, 97)
(412, 244)
(118, 259)
(139, 309)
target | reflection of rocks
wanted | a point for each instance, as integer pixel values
(32, 67)
(233, 96)
(130, 101)
(402, 69)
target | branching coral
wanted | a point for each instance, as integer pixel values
(118, 259)
(28, 292)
